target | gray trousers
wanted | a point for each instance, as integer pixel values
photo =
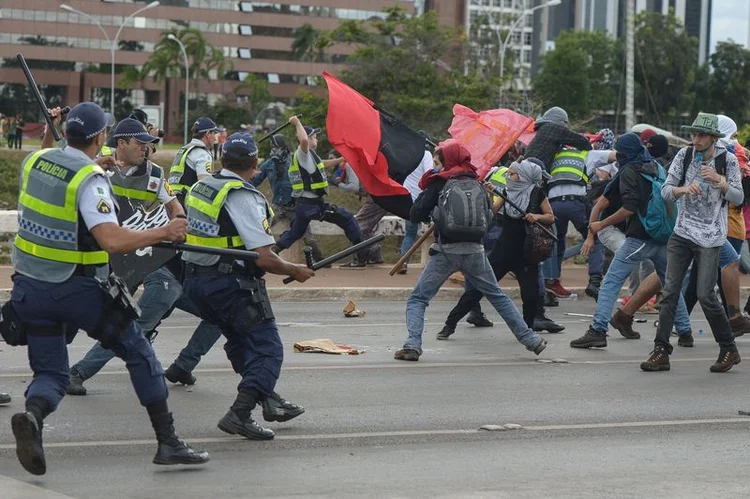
(680, 253)
(368, 217)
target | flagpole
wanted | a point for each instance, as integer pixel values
(396, 118)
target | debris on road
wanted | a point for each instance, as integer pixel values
(351, 310)
(504, 427)
(325, 345)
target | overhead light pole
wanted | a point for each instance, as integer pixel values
(112, 42)
(187, 81)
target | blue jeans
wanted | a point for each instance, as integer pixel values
(161, 292)
(478, 275)
(627, 258)
(410, 236)
(305, 212)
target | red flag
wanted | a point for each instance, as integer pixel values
(381, 150)
(487, 135)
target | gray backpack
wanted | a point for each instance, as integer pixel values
(463, 212)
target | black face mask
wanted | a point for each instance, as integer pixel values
(621, 159)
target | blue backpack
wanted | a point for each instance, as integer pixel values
(660, 217)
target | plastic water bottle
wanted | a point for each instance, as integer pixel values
(703, 184)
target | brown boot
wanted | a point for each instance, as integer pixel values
(658, 361)
(727, 358)
(740, 325)
(624, 323)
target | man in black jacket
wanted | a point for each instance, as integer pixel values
(552, 133)
(449, 256)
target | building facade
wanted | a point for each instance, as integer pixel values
(255, 36)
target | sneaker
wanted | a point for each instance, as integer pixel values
(740, 325)
(624, 324)
(403, 270)
(176, 374)
(592, 339)
(557, 288)
(407, 354)
(75, 386)
(479, 320)
(686, 340)
(539, 348)
(275, 408)
(544, 323)
(658, 361)
(446, 332)
(550, 300)
(727, 359)
(354, 264)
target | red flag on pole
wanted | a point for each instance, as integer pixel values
(487, 135)
(382, 150)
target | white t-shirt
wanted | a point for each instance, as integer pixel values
(412, 181)
(594, 160)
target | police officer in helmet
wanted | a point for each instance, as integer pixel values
(67, 228)
(225, 210)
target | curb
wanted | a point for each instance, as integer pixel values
(367, 294)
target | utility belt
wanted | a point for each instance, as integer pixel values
(315, 201)
(87, 270)
(569, 197)
(254, 304)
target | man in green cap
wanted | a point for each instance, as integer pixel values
(703, 177)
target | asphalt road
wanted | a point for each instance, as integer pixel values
(593, 425)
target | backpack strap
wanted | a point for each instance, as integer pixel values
(721, 164)
(686, 164)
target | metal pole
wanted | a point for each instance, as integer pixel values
(629, 64)
(187, 82)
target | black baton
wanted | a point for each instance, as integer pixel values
(340, 255)
(38, 96)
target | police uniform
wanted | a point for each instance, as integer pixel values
(571, 171)
(224, 211)
(61, 285)
(192, 161)
(309, 187)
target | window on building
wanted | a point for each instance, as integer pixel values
(273, 78)
(246, 6)
(245, 29)
(244, 53)
(527, 38)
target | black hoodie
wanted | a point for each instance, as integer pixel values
(636, 193)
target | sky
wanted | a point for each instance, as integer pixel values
(730, 20)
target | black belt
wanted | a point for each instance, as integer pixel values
(88, 270)
(568, 197)
(318, 201)
(221, 268)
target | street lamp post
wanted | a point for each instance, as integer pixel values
(112, 42)
(504, 44)
(187, 81)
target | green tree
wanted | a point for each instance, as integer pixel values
(729, 92)
(580, 75)
(666, 63)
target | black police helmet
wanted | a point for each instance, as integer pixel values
(140, 115)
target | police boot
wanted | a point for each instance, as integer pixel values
(359, 261)
(171, 449)
(277, 409)
(238, 420)
(176, 374)
(75, 385)
(27, 428)
(544, 323)
(4, 398)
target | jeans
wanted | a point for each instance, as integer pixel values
(161, 292)
(627, 258)
(575, 210)
(611, 237)
(680, 253)
(478, 274)
(410, 236)
(727, 256)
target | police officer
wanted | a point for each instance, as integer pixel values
(67, 227)
(225, 210)
(571, 171)
(309, 188)
(276, 170)
(193, 161)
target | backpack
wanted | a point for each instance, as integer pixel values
(660, 217)
(538, 245)
(463, 212)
